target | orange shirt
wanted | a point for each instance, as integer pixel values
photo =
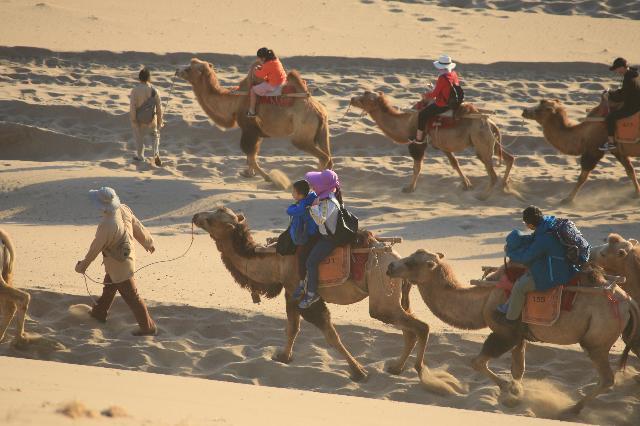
(272, 72)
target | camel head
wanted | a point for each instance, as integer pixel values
(417, 268)
(612, 256)
(368, 101)
(545, 109)
(196, 70)
(218, 223)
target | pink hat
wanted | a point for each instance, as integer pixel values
(323, 183)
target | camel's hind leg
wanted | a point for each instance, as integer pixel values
(628, 167)
(293, 328)
(8, 311)
(19, 301)
(319, 315)
(466, 183)
(309, 146)
(508, 160)
(417, 153)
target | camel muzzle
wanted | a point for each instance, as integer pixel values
(528, 113)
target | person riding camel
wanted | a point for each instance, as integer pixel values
(268, 68)
(545, 257)
(628, 94)
(439, 96)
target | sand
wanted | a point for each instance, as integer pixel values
(64, 130)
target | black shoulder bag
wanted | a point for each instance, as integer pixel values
(346, 227)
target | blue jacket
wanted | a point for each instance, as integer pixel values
(299, 213)
(543, 254)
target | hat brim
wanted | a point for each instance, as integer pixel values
(111, 207)
(442, 66)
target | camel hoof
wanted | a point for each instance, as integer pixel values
(282, 358)
(408, 189)
(466, 186)
(358, 374)
(394, 369)
(248, 173)
(21, 342)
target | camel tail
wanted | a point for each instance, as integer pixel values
(7, 268)
(633, 337)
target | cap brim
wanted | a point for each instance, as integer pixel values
(440, 66)
(113, 206)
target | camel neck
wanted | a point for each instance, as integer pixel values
(456, 305)
(220, 106)
(399, 127)
(564, 134)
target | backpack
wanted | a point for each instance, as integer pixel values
(456, 96)
(285, 245)
(147, 111)
(346, 227)
(578, 248)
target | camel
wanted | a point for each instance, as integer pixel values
(268, 273)
(590, 322)
(620, 257)
(305, 122)
(481, 134)
(11, 299)
(581, 139)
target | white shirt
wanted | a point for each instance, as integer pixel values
(325, 214)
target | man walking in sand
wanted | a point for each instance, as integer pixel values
(145, 111)
(115, 240)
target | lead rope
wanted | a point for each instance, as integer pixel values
(86, 277)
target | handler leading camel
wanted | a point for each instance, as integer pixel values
(114, 238)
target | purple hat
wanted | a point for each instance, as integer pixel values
(323, 183)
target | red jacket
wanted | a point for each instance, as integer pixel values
(272, 72)
(443, 88)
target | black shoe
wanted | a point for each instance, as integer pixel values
(608, 147)
(97, 318)
(158, 161)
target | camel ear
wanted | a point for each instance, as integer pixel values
(210, 64)
(633, 241)
(440, 255)
(240, 217)
(431, 265)
(380, 94)
(622, 252)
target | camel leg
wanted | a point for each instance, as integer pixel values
(321, 141)
(308, 146)
(410, 338)
(417, 153)
(631, 172)
(250, 141)
(588, 162)
(466, 183)
(20, 299)
(8, 310)
(491, 172)
(517, 368)
(493, 347)
(508, 160)
(600, 358)
(293, 328)
(319, 315)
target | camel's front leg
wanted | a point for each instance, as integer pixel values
(16, 301)
(319, 315)
(587, 163)
(631, 172)
(466, 183)
(293, 328)
(250, 141)
(417, 153)
(8, 311)
(493, 347)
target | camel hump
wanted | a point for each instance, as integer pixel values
(467, 108)
(295, 79)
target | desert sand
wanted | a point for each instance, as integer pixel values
(65, 80)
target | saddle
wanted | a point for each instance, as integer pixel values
(628, 129)
(344, 263)
(541, 307)
(277, 99)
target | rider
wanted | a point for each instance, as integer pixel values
(629, 95)
(268, 68)
(446, 80)
(545, 257)
(324, 212)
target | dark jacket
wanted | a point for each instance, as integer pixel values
(630, 91)
(543, 254)
(300, 218)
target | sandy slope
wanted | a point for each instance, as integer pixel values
(63, 130)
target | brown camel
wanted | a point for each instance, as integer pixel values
(620, 257)
(11, 299)
(305, 122)
(591, 322)
(481, 134)
(267, 273)
(581, 139)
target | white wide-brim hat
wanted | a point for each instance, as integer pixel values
(105, 199)
(444, 63)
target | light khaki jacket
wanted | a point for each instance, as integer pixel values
(110, 231)
(139, 94)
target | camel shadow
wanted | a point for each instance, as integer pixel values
(237, 346)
